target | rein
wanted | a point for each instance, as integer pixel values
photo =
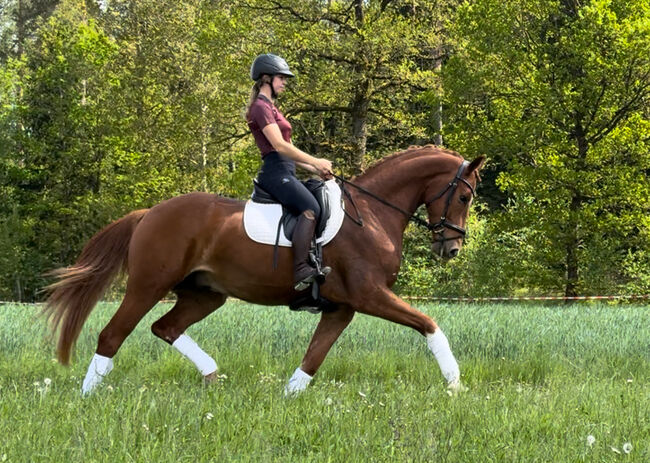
(437, 227)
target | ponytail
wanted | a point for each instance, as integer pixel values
(255, 91)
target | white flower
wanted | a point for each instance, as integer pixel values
(590, 440)
(627, 447)
(47, 381)
(329, 401)
(209, 416)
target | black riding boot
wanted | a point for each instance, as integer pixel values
(304, 273)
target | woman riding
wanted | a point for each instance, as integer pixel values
(272, 133)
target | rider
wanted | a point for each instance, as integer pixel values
(272, 133)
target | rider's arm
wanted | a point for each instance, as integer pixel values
(285, 148)
(307, 167)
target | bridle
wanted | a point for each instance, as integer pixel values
(437, 228)
(450, 189)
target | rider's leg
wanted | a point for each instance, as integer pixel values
(303, 272)
(288, 190)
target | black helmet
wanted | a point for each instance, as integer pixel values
(269, 64)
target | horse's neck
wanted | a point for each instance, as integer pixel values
(402, 182)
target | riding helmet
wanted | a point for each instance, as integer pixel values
(269, 64)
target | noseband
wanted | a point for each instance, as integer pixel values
(437, 228)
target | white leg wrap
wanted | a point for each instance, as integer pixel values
(186, 346)
(439, 345)
(99, 367)
(297, 383)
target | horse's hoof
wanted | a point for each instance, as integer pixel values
(213, 377)
(456, 387)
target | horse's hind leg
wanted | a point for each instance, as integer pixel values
(192, 306)
(135, 305)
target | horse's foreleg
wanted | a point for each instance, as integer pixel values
(387, 305)
(329, 328)
(191, 307)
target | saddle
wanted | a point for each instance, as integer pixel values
(288, 220)
(310, 301)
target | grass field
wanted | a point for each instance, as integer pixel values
(541, 380)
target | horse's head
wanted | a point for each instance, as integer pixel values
(447, 201)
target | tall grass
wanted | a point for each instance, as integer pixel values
(541, 379)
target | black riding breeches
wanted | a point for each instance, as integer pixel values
(278, 178)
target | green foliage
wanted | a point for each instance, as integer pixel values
(485, 267)
(105, 110)
(558, 95)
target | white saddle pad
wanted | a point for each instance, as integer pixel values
(261, 220)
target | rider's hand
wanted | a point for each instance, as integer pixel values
(323, 168)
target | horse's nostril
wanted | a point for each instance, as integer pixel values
(453, 252)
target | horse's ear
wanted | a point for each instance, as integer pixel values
(476, 164)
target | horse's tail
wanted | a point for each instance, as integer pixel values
(80, 286)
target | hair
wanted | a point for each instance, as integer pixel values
(255, 90)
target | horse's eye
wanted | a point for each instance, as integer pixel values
(464, 199)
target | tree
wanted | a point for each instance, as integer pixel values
(19, 21)
(558, 93)
(365, 72)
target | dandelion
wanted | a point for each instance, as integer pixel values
(209, 416)
(615, 450)
(47, 381)
(329, 401)
(109, 388)
(627, 447)
(590, 440)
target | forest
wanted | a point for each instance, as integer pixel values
(107, 106)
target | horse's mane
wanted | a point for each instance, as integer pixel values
(409, 153)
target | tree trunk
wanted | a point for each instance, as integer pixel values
(204, 148)
(573, 241)
(437, 116)
(360, 128)
(360, 104)
(573, 236)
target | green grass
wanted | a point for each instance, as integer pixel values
(541, 379)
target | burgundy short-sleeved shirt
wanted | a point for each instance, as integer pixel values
(262, 113)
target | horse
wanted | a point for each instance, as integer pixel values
(195, 246)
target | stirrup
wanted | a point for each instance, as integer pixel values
(315, 276)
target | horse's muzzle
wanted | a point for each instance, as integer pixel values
(446, 250)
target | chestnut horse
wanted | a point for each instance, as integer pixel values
(195, 245)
